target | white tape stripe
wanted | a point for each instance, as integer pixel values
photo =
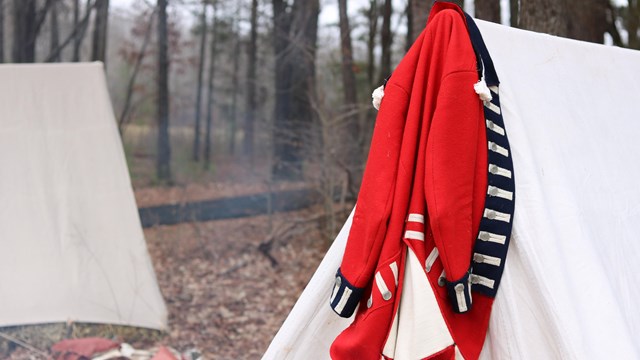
(491, 237)
(343, 301)
(382, 286)
(496, 191)
(394, 269)
(486, 259)
(416, 218)
(497, 170)
(481, 280)
(431, 259)
(462, 302)
(414, 235)
(494, 89)
(498, 149)
(496, 215)
(336, 288)
(494, 127)
(493, 107)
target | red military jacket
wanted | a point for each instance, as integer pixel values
(438, 187)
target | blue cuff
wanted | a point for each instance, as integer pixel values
(344, 297)
(459, 292)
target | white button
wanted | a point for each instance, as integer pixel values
(386, 295)
(441, 281)
(493, 192)
(459, 288)
(485, 237)
(491, 214)
(478, 258)
(369, 302)
(493, 169)
(494, 147)
(491, 125)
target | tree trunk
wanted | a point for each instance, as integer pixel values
(633, 15)
(488, 10)
(352, 133)
(163, 165)
(234, 91)
(210, 88)
(285, 151)
(24, 35)
(99, 46)
(419, 11)
(55, 31)
(582, 20)
(386, 39)
(203, 46)
(348, 76)
(371, 41)
(303, 117)
(514, 13)
(588, 20)
(547, 16)
(295, 36)
(2, 4)
(250, 110)
(76, 22)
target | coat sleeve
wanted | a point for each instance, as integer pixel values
(453, 169)
(373, 207)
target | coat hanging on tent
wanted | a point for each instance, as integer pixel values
(432, 223)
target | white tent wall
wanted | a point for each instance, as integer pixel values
(570, 287)
(72, 247)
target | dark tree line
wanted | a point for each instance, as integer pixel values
(291, 26)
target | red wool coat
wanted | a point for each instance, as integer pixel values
(438, 167)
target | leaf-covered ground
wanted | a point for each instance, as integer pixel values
(226, 295)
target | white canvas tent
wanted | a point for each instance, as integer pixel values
(72, 248)
(570, 288)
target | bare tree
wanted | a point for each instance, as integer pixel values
(27, 22)
(295, 36)
(417, 14)
(77, 33)
(352, 132)
(514, 7)
(100, 28)
(203, 46)
(582, 20)
(250, 108)
(55, 30)
(134, 74)
(587, 20)
(234, 85)
(372, 17)
(1, 31)
(163, 164)
(633, 18)
(210, 87)
(488, 10)
(386, 39)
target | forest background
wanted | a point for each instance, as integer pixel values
(227, 98)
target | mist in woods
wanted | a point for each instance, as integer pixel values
(263, 93)
(269, 85)
(221, 98)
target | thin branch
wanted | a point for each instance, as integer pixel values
(42, 15)
(136, 69)
(81, 26)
